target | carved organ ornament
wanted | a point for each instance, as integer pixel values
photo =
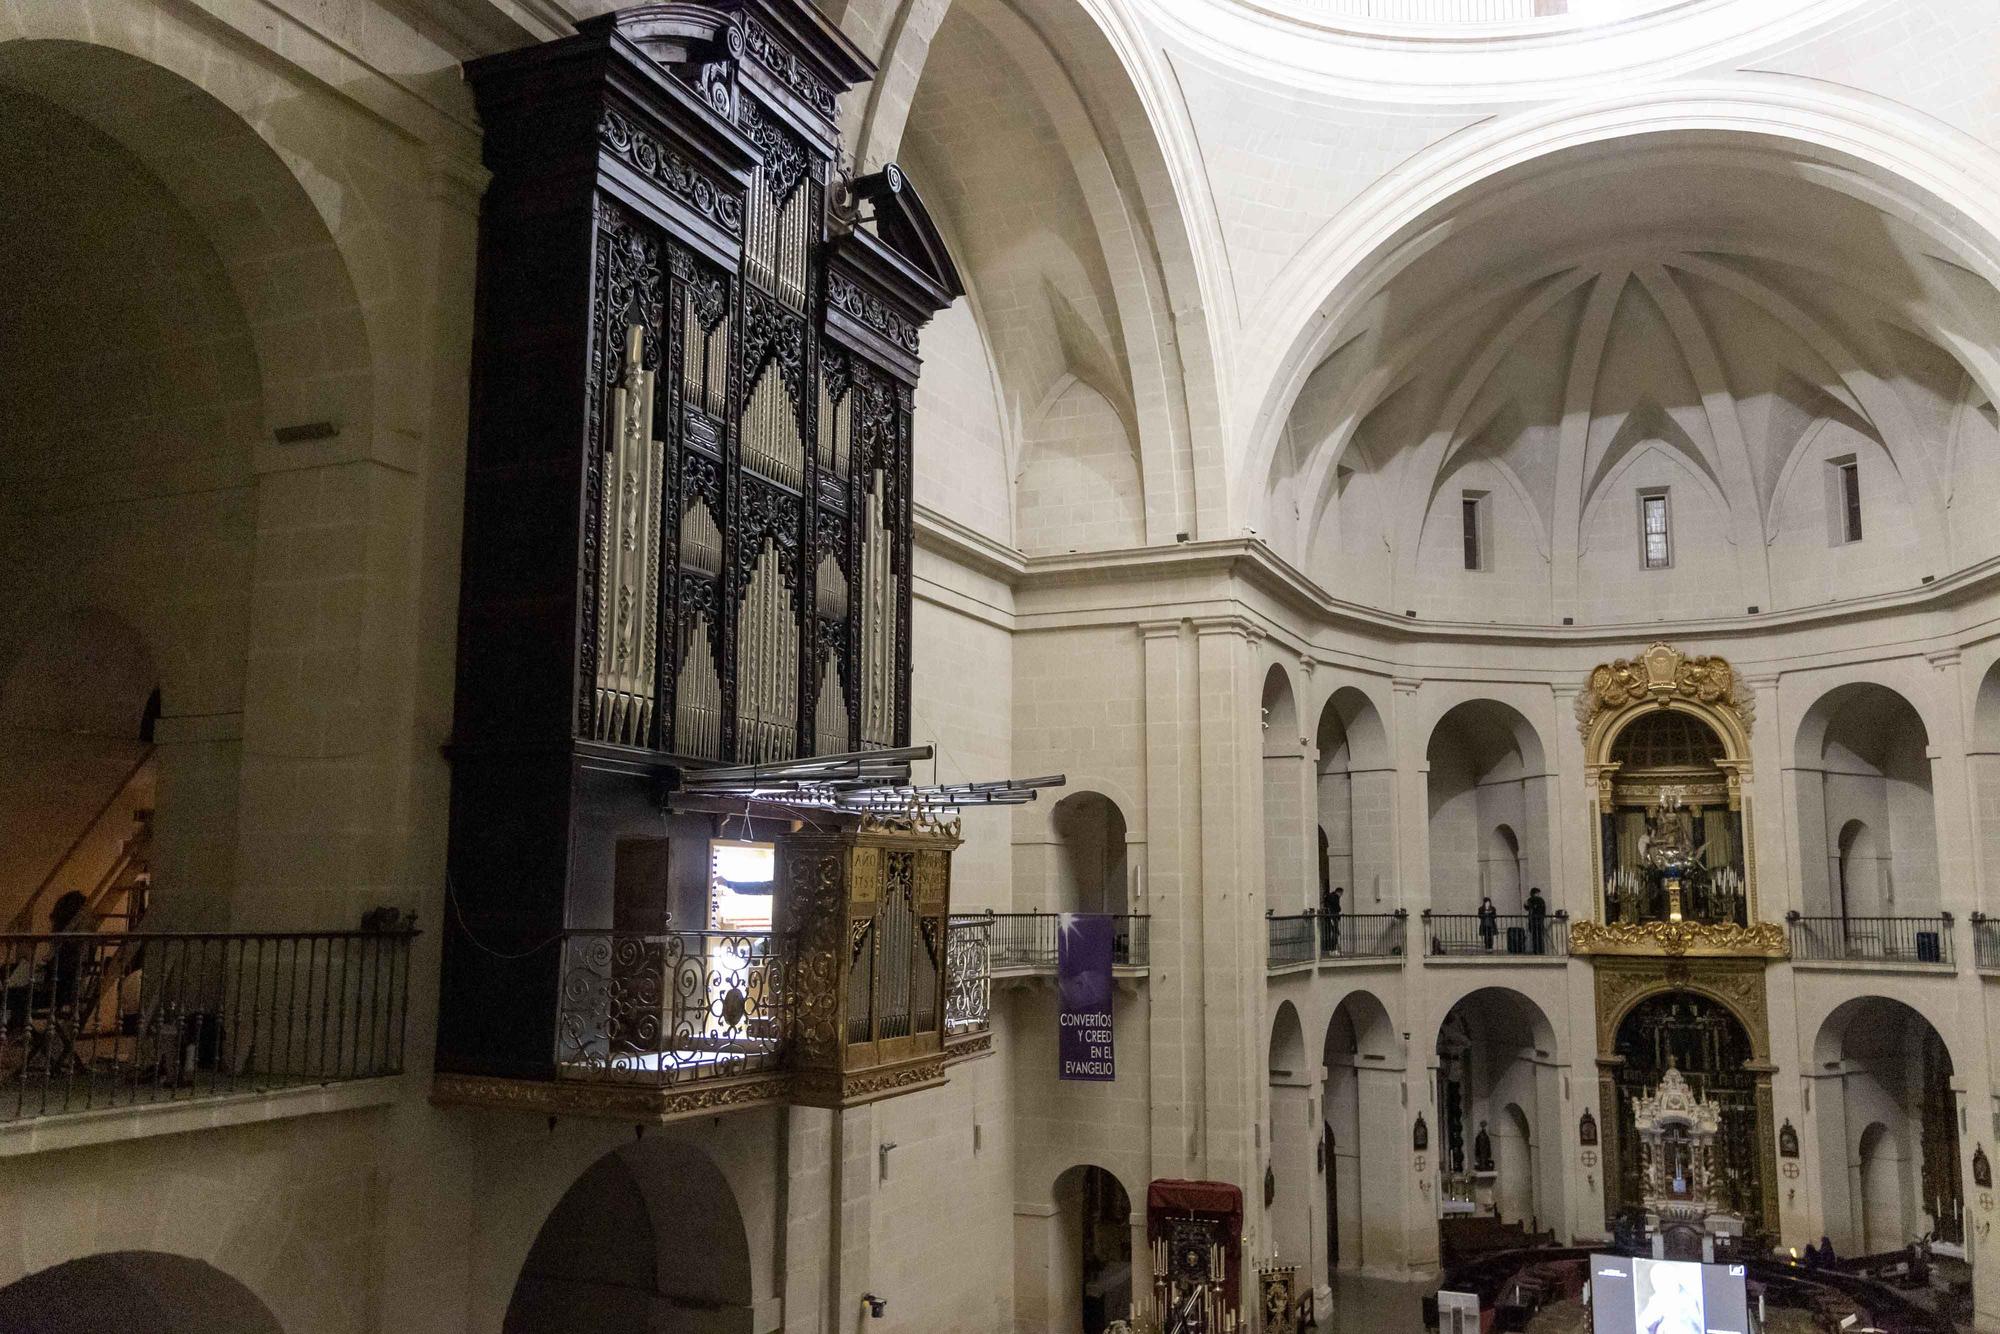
(688, 482)
(1667, 757)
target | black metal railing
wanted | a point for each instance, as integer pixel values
(1985, 941)
(968, 988)
(1501, 935)
(1367, 935)
(1027, 941)
(669, 1008)
(1904, 940)
(1292, 938)
(103, 1020)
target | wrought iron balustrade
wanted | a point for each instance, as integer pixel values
(1290, 939)
(672, 1008)
(1368, 935)
(102, 1020)
(1502, 936)
(968, 994)
(1902, 940)
(1985, 941)
(1028, 941)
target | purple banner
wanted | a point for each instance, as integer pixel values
(1083, 984)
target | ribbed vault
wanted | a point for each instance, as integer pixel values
(1717, 319)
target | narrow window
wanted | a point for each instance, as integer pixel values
(1850, 500)
(1475, 529)
(1656, 547)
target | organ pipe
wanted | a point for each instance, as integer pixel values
(767, 664)
(771, 444)
(628, 588)
(878, 621)
(698, 694)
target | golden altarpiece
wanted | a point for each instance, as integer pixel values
(1677, 942)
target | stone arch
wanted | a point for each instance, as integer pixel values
(1495, 1048)
(87, 671)
(1355, 801)
(1290, 883)
(156, 1291)
(1090, 838)
(1487, 769)
(1091, 1277)
(1877, 146)
(277, 244)
(1289, 1203)
(649, 1238)
(1861, 761)
(1129, 341)
(1886, 1111)
(1364, 1127)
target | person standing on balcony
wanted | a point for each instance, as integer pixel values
(1489, 923)
(1537, 909)
(1329, 920)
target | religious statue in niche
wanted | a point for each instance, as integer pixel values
(1788, 1141)
(1482, 1150)
(1586, 1130)
(1420, 1138)
(1982, 1171)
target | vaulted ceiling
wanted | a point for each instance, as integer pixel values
(1706, 315)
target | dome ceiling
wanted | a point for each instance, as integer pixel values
(1713, 322)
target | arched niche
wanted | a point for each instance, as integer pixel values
(1866, 809)
(153, 1291)
(1487, 771)
(1666, 740)
(1354, 803)
(1498, 1076)
(1363, 1131)
(1886, 1108)
(650, 1240)
(1091, 1273)
(1287, 836)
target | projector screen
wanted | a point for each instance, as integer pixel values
(1629, 1296)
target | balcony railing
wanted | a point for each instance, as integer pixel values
(1026, 942)
(1985, 941)
(1900, 940)
(669, 1009)
(1292, 938)
(94, 1021)
(968, 994)
(1368, 935)
(1503, 936)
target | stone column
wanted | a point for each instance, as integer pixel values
(1172, 879)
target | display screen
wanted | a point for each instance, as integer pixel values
(1629, 1296)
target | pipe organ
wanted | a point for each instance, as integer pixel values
(687, 512)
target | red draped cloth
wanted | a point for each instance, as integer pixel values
(1216, 1200)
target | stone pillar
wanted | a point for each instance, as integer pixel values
(1172, 875)
(1297, 1219)
(1231, 904)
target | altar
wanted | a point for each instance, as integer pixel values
(1678, 947)
(1685, 1197)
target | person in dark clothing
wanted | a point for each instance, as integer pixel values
(1538, 911)
(66, 959)
(1489, 922)
(1329, 919)
(1826, 1255)
(1812, 1256)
